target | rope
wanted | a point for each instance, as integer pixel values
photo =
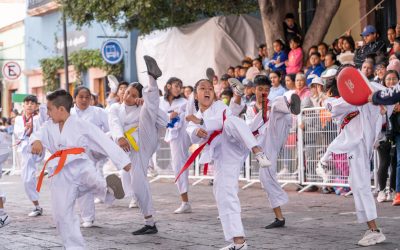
(363, 17)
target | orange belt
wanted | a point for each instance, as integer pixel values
(62, 154)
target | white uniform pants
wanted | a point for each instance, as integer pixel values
(360, 183)
(179, 156)
(140, 188)
(28, 175)
(236, 140)
(275, 194)
(86, 202)
(66, 187)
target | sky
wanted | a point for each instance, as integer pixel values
(11, 11)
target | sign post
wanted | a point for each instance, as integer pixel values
(11, 71)
(112, 51)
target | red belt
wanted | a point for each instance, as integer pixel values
(62, 154)
(199, 149)
(348, 118)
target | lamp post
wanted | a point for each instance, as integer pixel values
(65, 53)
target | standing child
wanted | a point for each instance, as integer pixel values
(175, 106)
(271, 123)
(24, 126)
(4, 153)
(360, 126)
(98, 117)
(295, 58)
(71, 140)
(134, 125)
(228, 141)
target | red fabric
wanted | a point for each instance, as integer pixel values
(348, 118)
(62, 154)
(199, 149)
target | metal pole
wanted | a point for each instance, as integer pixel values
(65, 53)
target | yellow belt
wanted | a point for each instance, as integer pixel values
(128, 135)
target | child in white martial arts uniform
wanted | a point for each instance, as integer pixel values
(125, 176)
(229, 140)
(135, 127)
(360, 127)
(98, 117)
(270, 122)
(24, 126)
(174, 104)
(72, 172)
(4, 153)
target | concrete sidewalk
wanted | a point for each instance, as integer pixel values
(314, 221)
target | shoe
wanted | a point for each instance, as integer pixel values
(146, 230)
(390, 195)
(237, 86)
(234, 246)
(262, 160)
(133, 204)
(152, 67)
(276, 223)
(295, 104)
(184, 208)
(97, 201)
(396, 201)
(210, 73)
(36, 212)
(87, 224)
(4, 220)
(321, 171)
(114, 183)
(381, 196)
(211, 182)
(371, 238)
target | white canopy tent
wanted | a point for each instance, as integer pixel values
(187, 52)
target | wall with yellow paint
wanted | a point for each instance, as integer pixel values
(346, 16)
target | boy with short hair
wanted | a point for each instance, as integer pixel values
(71, 140)
(315, 69)
(25, 125)
(270, 123)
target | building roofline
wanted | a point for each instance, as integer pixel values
(44, 9)
(12, 26)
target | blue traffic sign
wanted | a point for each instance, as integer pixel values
(112, 51)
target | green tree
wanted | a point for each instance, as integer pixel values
(149, 15)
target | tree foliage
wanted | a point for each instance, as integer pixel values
(149, 15)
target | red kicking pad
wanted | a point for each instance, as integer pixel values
(353, 86)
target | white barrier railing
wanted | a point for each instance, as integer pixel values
(312, 132)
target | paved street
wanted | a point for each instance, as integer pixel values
(314, 221)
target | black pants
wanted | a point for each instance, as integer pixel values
(387, 158)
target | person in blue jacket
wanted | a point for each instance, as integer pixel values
(315, 69)
(277, 63)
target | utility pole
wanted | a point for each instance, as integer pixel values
(65, 53)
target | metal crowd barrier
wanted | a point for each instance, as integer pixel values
(311, 133)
